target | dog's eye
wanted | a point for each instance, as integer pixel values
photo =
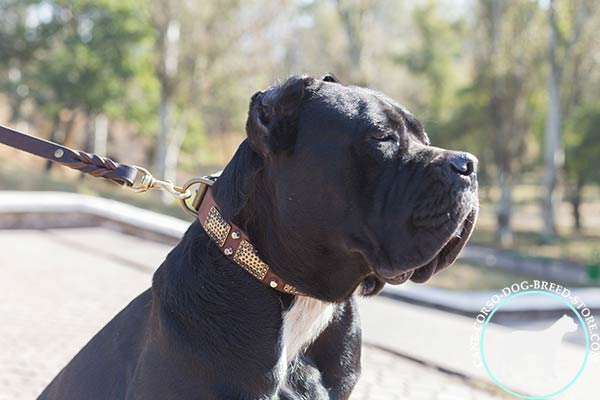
(383, 136)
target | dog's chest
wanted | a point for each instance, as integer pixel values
(303, 323)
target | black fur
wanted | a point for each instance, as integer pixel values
(340, 192)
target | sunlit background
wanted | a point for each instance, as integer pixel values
(166, 84)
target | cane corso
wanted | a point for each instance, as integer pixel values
(340, 192)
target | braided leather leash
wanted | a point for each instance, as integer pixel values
(88, 163)
(133, 178)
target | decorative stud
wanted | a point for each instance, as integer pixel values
(236, 235)
(273, 283)
(216, 227)
(228, 251)
(247, 257)
(59, 153)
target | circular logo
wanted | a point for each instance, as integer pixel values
(524, 344)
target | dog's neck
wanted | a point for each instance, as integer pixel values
(200, 295)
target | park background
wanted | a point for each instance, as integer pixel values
(165, 84)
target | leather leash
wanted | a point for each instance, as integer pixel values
(232, 241)
(85, 162)
(133, 178)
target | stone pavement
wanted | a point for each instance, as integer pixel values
(58, 287)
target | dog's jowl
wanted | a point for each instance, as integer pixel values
(336, 191)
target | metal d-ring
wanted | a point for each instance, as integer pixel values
(205, 183)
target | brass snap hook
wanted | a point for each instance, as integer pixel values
(144, 181)
(205, 182)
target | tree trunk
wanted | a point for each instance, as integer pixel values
(503, 214)
(576, 205)
(88, 139)
(167, 76)
(501, 127)
(61, 132)
(56, 135)
(164, 116)
(100, 142)
(352, 15)
(172, 156)
(553, 154)
(173, 150)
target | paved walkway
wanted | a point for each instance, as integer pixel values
(59, 287)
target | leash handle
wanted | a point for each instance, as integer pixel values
(88, 163)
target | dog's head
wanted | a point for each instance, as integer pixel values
(338, 185)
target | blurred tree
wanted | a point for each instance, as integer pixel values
(434, 55)
(311, 38)
(92, 60)
(492, 112)
(75, 56)
(568, 20)
(204, 55)
(452, 108)
(352, 14)
(166, 17)
(582, 147)
(505, 63)
(24, 31)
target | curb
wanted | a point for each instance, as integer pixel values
(46, 210)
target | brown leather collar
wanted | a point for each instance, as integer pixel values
(235, 244)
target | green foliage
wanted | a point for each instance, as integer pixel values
(75, 54)
(93, 54)
(436, 56)
(466, 128)
(582, 144)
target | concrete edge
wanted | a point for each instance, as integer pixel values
(57, 209)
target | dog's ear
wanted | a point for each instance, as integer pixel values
(271, 124)
(329, 77)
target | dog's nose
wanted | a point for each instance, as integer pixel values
(463, 163)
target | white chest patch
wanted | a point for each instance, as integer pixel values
(303, 323)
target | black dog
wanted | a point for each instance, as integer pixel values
(340, 192)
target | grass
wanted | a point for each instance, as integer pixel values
(470, 276)
(527, 225)
(584, 249)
